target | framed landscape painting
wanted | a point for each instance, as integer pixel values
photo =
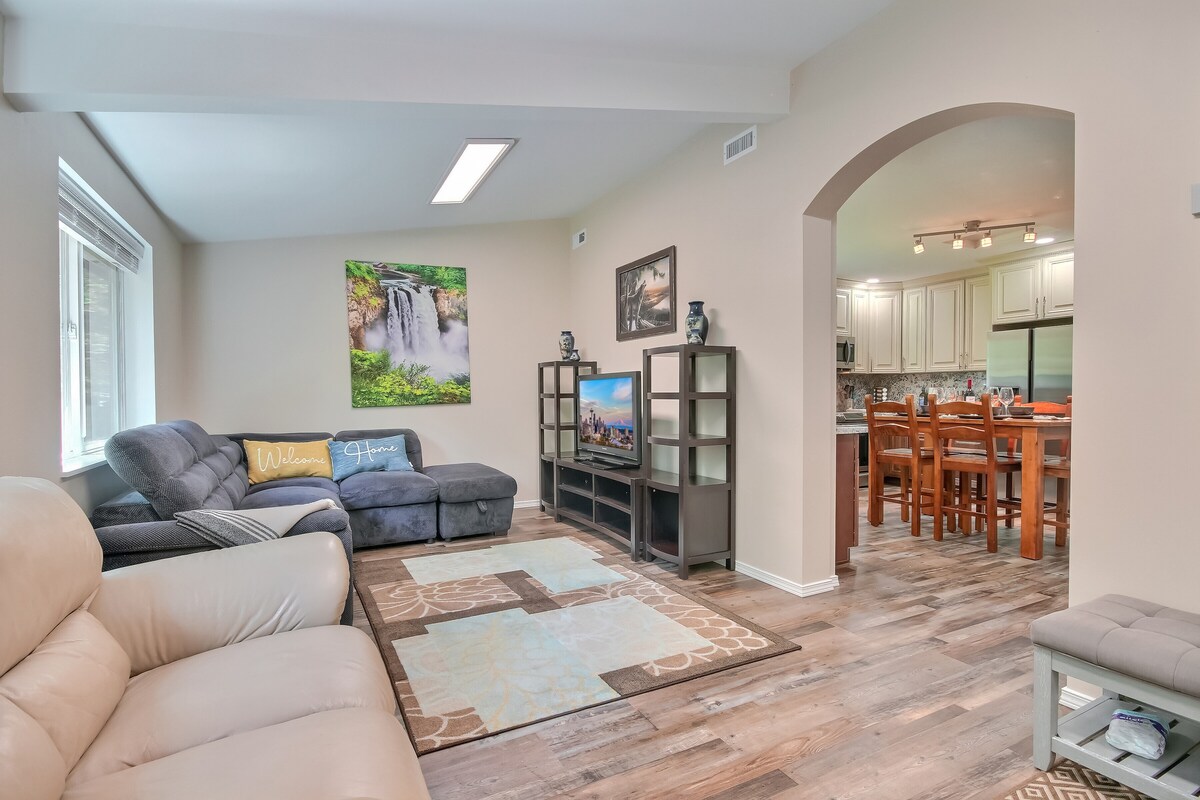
(408, 334)
(646, 296)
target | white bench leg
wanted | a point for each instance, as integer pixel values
(1045, 707)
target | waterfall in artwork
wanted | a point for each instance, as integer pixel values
(414, 333)
(407, 326)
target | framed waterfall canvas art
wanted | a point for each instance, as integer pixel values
(408, 334)
(646, 296)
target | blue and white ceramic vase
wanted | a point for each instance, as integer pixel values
(566, 343)
(574, 356)
(696, 324)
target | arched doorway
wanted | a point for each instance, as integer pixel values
(819, 260)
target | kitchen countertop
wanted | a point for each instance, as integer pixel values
(847, 428)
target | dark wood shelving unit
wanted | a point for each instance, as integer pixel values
(561, 394)
(689, 517)
(609, 501)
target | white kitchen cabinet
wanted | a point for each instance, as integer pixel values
(1033, 289)
(885, 331)
(841, 312)
(978, 321)
(860, 328)
(944, 327)
(912, 330)
(1058, 286)
(1017, 291)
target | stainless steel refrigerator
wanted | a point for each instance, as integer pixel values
(1036, 362)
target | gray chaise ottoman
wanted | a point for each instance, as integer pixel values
(472, 499)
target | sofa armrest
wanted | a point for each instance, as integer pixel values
(147, 541)
(147, 537)
(166, 610)
(129, 507)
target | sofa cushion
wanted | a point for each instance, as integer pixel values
(1136, 637)
(412, 444)
(230, 690)
(333, 755)
(383, 489)
(321, 483)
(287, 496)
(31, 767)
(49, 563)
(177, 466)
(464, 483)
(70, 684)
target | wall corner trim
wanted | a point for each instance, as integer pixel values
(798, 589)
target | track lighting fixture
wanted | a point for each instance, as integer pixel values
(973, 232)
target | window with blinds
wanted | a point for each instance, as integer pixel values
(80, 212)
(99, 258)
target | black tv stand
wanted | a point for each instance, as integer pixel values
(607, 499)
(599, 463)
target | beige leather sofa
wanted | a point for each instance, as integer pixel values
(214, 676)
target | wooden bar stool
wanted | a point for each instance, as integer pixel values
(986, 463)
(909, 459)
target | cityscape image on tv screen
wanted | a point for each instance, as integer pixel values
(606, 409)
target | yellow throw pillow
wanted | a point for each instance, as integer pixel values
(269, 461)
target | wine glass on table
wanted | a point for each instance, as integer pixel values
(1006, 398)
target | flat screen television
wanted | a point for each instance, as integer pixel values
(610, 420)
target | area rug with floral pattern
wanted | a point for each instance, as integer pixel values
(482, 639)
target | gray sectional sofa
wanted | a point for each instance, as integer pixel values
(178, 466)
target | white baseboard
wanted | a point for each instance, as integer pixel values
(798, 589)
(527, 504)
(1073, 699)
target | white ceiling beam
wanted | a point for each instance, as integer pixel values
(60, 67)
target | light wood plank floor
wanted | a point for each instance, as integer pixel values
(914, 682)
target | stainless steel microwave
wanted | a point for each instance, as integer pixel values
(844, 353)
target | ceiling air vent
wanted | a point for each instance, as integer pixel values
(741, 144)
(579, 239)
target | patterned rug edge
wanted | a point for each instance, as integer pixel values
(780, 644)
(1072, 781)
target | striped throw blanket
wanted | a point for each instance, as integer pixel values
(233, 528)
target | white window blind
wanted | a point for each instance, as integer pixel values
(96, 225)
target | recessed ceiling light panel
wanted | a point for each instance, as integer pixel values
(474, 162)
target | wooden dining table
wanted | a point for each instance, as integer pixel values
(1033, 433)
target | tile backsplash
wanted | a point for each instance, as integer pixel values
(909, 383)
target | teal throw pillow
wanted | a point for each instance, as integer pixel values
(368, 455)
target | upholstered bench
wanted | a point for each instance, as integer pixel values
(472, 499)
(1145, 657)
